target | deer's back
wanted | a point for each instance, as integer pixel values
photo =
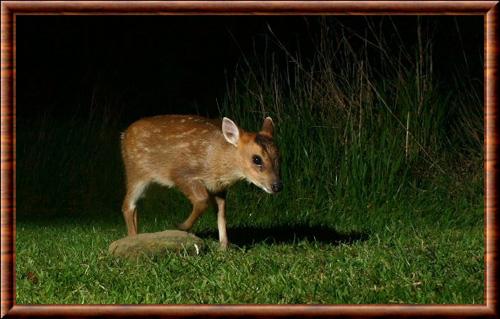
(159, 147)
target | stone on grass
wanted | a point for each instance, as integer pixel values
(154, 244)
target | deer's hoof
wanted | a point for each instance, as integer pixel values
(224, 246)
(183, 226)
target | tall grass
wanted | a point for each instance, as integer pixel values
(382, 199)
(69, 165)
(360, 123)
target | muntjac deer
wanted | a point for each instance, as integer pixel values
(199, 156)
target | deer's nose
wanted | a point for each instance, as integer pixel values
(277, 186)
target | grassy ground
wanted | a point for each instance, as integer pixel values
(402, 253)
(393, 254)
(382, 201)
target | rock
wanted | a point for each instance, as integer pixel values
(152, 244)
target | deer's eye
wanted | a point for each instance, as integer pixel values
(257, 160)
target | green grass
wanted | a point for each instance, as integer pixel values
(411, 252)
(382, 200)
(392, 254)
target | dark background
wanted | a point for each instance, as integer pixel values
(81, 80)
(373, 215)
(147, 65)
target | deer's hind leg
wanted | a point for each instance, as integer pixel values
(196, 192)
(134, 192)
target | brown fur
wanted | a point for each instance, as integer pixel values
(269, 148)
(192, 154)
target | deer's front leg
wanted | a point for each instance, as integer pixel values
(199, 197)
(220, 199)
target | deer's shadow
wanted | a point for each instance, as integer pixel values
(249, 236)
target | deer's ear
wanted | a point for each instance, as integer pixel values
(230, 131)
(267, 127)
